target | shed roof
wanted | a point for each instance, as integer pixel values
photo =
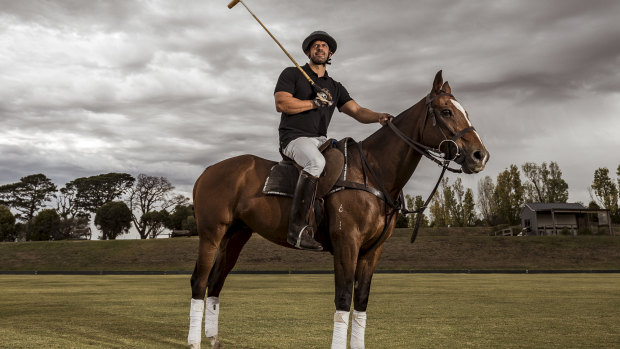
(543, 206)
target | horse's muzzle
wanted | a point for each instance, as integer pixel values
(473, 161)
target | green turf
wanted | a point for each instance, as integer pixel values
(296, 311)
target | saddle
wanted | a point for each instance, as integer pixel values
(283, 176)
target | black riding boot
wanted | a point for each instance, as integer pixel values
(300, 231)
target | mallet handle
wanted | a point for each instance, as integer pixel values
(234, 2)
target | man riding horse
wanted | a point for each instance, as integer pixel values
(305, 118)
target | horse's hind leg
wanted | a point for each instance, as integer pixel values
(207, 249)
(226, 258)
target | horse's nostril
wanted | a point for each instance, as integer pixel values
(479, 155)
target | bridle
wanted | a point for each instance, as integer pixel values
(435, 154)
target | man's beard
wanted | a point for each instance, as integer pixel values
(319, 61)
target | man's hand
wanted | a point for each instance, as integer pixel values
(384, 118)
(323, 98)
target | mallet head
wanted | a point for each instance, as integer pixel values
(233, 3)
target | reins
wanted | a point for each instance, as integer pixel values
(434, 154)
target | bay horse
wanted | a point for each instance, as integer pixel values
(230, 206)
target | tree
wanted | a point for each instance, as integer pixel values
(458, 204)
(150, 194)
(44, 226)
(83, 196)
(113, 219)
(486, 202)
(95, 191)
(75, 227)
(74, 222)
(437, 211)
(8, 230)
(28, 195)
(604, 192)
(182, 218)
(156, 222)
(469, 209)
(545, 184)
(618, 174)
(450, 208)
(415, 204)
(66, 201)
(535, 190)
(457, 212)
(418, 203)
(401, 221)
(557, 188)
(508, 195)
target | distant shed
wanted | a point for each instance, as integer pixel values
(552, 218)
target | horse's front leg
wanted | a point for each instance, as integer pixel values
(345, 257)
(363, 275)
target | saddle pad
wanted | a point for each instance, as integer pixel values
(282, 180)
(283, 176)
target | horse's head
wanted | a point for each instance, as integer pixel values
(449, 129)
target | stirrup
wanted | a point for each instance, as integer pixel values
(314, 245)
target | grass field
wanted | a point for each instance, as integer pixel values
(296, 311)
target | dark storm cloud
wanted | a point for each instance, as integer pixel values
(168, 88)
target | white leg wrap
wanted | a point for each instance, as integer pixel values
(196, 312)
(211, 316)
(341, 325)
(358, 328)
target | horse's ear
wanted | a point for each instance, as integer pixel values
(437, 83)
(446, 87)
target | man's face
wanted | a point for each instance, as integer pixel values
(319, 52)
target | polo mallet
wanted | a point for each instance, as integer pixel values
(319, 91)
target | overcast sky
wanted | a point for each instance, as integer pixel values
(167, 88)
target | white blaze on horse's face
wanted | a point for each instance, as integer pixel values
(458, 106)
(461, 109)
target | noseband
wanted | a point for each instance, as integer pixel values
(435, 154)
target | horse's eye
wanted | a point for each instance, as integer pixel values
(446, 112)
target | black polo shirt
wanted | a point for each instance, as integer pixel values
(314, 122)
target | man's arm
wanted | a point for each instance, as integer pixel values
(286, 103)
(364, 115)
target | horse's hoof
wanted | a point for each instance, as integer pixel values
(215, 342)
(194, 345)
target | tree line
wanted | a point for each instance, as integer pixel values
(117, 201)
(501, 201)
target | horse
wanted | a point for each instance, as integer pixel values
(229, 206)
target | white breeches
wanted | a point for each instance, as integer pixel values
(305, 152)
